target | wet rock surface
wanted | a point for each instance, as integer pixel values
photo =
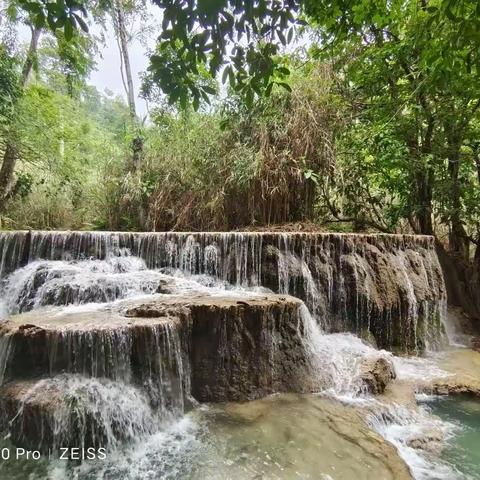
(462, 374)
(237, 349)
(306, 433)
(172, 348)
(377, 373)
(380, 287)
(431, 441)
(73, 411)
(455, 371)
(30, 424)
(100, 343)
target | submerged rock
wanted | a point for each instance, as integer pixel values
(430, 441)
(377, 373)
(302, 436)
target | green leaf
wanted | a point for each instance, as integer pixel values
(225, 75)
(283, 70)
(290, 35)
(82, 23)
(209, 90)
(68, 30)
(39, 20)
(249, 98)
(284, 85)
(196, 103)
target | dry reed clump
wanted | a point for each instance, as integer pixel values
(262, 170)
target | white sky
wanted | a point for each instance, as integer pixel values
(107, 75)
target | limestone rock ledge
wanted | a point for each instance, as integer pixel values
(461, 369)
(164, 350)
(390, 286)
(239, 348)
(229, 348)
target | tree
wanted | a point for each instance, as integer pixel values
(119, 12)
(412, 69)
(10, 155)
(412, 65)
(242, 37)
(66, 65)
(10, 89)
(68, 47)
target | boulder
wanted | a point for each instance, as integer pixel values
(430, 440)
(376, 373)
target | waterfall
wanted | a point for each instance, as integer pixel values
(88, 412)
(148, 354)
(46, 282)
(5, 346)
(335, 359)
(389, 286)
(88, 358)
(83, 378)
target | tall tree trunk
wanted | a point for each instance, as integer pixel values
(420, 147)
(31, 55)
(458, 241)
(6, 172)
(10, 155)
(424, 198)
(126, 71)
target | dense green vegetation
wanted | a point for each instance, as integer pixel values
(369, 120)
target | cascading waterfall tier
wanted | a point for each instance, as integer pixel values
(92, 378)
(70, 410)
(387, 286)
(62, 369)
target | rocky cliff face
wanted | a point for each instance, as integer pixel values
(239, 349)
(389, 287)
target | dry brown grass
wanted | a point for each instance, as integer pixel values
(257, 173)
